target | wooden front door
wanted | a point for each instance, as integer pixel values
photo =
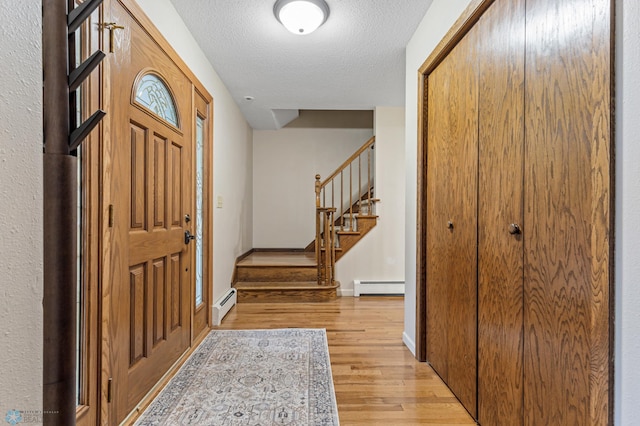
(151, 139)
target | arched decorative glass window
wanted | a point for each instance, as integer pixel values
(153, 94)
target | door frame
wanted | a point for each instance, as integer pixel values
(98, 233)
(207, 212)
(89, 181)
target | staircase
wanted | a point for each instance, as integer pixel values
(345, 213)
(281, 276)
(352, 225)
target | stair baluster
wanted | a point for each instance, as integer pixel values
(335, 220)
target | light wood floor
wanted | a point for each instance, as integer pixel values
(268, 258)
(377, 380)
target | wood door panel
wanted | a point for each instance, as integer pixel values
(452, 156)
(568, 202)
(159, 181)
(462, 288)
(545, 154)
(159, 287)
(138, 177)
(175, 164)
(153, 244)
(137, 302)
(176, 286)
(437, 238)
(500, 254)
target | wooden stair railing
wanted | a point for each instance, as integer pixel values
(335, 212)
(359, 208)
(326, 253)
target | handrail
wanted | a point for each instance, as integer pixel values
(318, 220)
(344, 165)
(328, 217)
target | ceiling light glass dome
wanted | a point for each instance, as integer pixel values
(301, 16)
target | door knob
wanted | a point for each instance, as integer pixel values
(188, 237)
(514, 229)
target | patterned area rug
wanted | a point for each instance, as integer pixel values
(251, 377)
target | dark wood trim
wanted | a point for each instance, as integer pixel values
(612, 214)
(460, 28)
(421, 223)
(60, 222)
(59, 302)
(245, 255)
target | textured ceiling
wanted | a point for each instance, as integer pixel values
(356, 60)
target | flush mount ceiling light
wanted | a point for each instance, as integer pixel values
(301, 16)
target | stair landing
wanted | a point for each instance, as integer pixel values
(280, 276)
(279, 258)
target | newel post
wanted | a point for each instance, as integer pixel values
(318, 186)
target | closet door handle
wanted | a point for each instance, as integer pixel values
(514, 229)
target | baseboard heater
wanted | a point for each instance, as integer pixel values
(361, 287)
(223, 306)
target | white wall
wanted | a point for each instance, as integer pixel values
(21, 270)
(380, 254)
(285, 162)
(21, 188)
(627, 292)
(439, 18)
(232, 149)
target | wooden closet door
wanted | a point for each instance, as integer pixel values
(439, 236)
(568, 212)
(500, 204)
(452, 158)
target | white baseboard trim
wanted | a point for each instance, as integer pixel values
(410, 344)
(377, 287)
(347, 292)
